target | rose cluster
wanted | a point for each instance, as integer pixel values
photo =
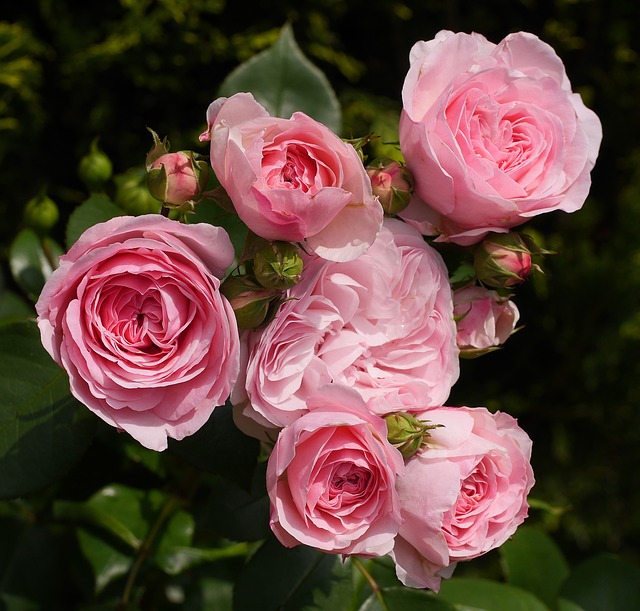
(337, 334)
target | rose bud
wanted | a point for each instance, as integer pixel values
(177, 178)
(278, 265)
(392, 183)
(406, 433)
(95, 168)
(41, 213)
(249, 300)
(503, 260)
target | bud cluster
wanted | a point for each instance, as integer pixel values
(269, 269)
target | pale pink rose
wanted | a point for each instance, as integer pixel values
(135, 317)
(331, 478)
(463, 495)
(492, 134)
(382, 324)
(484, 318)
(292, 179)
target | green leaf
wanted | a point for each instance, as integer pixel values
(43, 429)
(532, 561)
(96, 209)
(32, 261)
(238, 514)
(284, 81)
(220, 447)
(281, 578)
(405, 599)
(13, 307)
(604, 583)
(486, 595)
(121, 521)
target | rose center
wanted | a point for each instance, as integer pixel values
(348, 479)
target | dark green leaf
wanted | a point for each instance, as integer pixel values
(13, 307)
(277, 578)
(237, 514)
(486, 595)
(284, 81)
(532, 561)
(43, 429)
(220, 447)
(32, 260)
(405, 599)
(604, 583)
(96, 209)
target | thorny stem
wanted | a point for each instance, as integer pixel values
(372, 582)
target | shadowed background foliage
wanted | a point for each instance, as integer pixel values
(72, 71)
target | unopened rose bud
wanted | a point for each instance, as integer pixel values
(95, 168)
(503, 260)
(392, 183)
(41, 213)
(249, 300)
(408, 434)
(177, 178)
(278, 265)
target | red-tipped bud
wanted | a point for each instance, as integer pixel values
(177, 178)
(392, 183)
(249, 300)
(503, 260)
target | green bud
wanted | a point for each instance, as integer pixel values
(132, 194)
(95, 168)
(41, 213)
(278, 265)
(249, 300)
(408, 434)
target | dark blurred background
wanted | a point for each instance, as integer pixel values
(71, 71)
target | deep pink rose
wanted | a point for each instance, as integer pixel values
(134, 315)
(463, 495)
(492, 134)
(484, 318)
(382, 324)
(292, 179)
(331, 478)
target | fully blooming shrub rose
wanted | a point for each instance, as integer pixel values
(463, 495)
(331, 478)
(492, 134)
(484, 318)
(381, 324)
(292, 179)
(135, 317)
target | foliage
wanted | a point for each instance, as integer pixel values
(91, 519)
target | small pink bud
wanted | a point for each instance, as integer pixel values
(177, 178)
(391, 182)
(503, 260)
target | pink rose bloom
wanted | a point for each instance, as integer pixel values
(462, 496)
(382, 324)
(493, 135)
(331, 478)
(292, 179)
(134, 315)
(484, 318)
